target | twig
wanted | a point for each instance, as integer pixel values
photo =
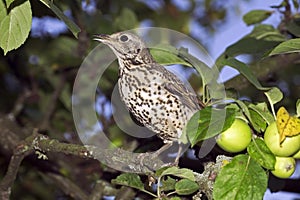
(53, 102)
(68, 187)
(19, 104)
(6, 183)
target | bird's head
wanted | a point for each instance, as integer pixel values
(125, 45)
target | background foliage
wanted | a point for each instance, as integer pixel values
(37, 71)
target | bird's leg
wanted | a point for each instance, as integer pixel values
(162, 149)
(165, 147)
(155, 154)
(178, 155)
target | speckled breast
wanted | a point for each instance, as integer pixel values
(143, 92)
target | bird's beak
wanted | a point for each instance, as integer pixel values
(101, 37)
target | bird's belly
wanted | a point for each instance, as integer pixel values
(155, 107)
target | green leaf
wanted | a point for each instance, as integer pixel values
(160, 171)
(202, 68)
(258, 123)
(259, 151)
(256, 16)
(274, 95)
(167, 55)
(298, 108)
(168, 184)
(259, 41)
(208, 75)
(208, 122)
(182, 173)
(70, 24)
(267, 33)
(175, 198)
(130, 180)
(241, 179)
(3, 12)
(244, 108)
(263, 111)
(294, 27)
(186, 187)
(244, 69)
(8, 2)
(15, 25)
(290, 46)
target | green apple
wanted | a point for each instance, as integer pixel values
(297, 155)
(236, 138)
(287, 148)
(284, 167)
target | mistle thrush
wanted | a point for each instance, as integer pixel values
(157, 98)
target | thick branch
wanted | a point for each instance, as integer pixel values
(120, 159)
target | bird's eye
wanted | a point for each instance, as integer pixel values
(123, 38)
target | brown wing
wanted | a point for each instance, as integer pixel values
(187, 97)
(185, 92)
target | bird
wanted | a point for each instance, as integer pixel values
(156, 97)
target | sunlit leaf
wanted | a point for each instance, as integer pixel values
(242, 178)
(209, 122)
(266, 32)
(260, 116)
(290, 46)
(15, 25)
(182, 173)
(167, 55)
(260, 152)
(244, 107)
(263, 111)
(274, 95)
(8, 2)
(258, 123)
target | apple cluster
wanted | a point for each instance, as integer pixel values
(238, 136)
(285, 152)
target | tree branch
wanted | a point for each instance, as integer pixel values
(53, 102)
(10, 176)
(68, 187)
